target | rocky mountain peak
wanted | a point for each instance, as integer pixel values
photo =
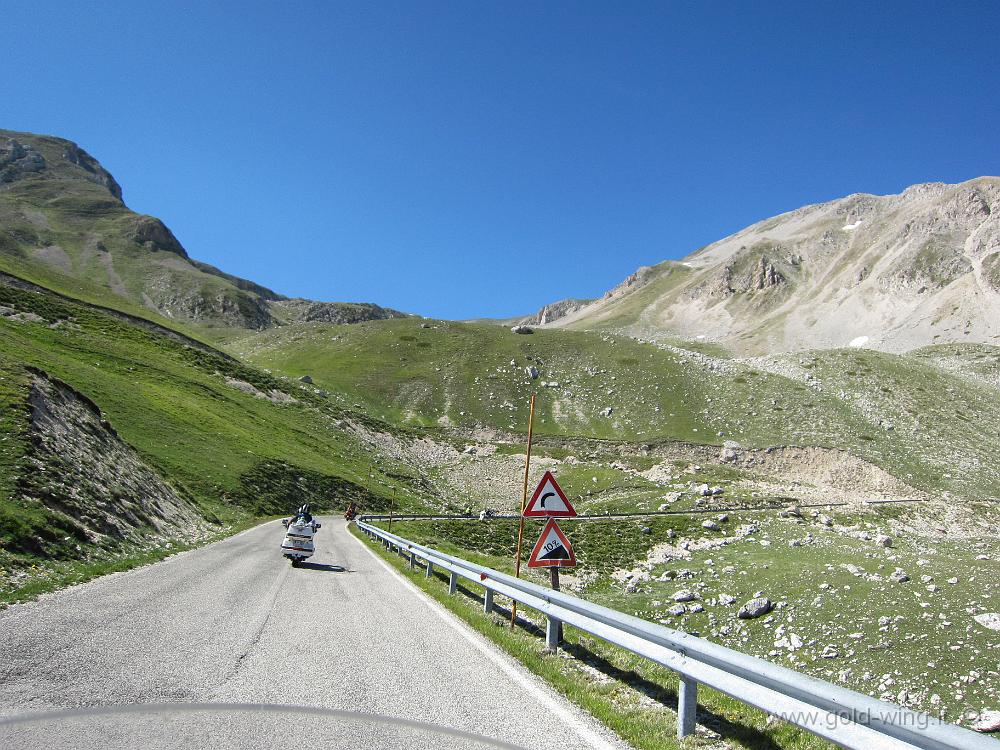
(153, 234)
(96, 173)
(896, 271)
(24, 155)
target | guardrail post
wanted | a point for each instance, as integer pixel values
(488, 601)
(413, 559)
(452, 582)
(687, 704)
(552, 632)
(430, 569)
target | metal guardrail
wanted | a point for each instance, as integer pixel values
(845, 717)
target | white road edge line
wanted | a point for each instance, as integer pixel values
(512, 668)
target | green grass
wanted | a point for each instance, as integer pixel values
(632, 696)
(884, 408)
(461, 374)
(234, 455)
(833, 591)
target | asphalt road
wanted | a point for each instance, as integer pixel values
(235, 623)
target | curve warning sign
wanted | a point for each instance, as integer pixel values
(549, 500)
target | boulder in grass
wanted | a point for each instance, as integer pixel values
(306, 379)
(685, 596)
(756, 607)
(522, 329)
(989, 620)
(989, 721)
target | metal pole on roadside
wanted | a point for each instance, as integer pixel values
(392, 505)
(554, 580)
(524, 501)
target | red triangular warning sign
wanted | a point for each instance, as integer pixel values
(549, 500)
(552, 549)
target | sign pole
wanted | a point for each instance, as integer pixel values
(392, 504)
(554, 580)
(524, 501)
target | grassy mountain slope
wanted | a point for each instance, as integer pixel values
(64, 225)
(916, 415)
(233, 441)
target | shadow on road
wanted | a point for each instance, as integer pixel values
(323, 567)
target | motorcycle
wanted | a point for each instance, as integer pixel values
(300, 529)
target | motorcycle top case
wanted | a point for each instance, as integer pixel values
(298, 540)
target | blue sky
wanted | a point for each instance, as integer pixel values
(480, 159)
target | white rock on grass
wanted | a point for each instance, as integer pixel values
(989, 620)
(710, 525)
(756, 607)
(685, 596)
(989, 721)
(883, 540)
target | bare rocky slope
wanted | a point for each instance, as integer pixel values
(891, 272)
(63, 220)
(98, 486)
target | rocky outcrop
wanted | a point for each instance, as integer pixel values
(764, 275)
(86, 475)
(553, 312)
(17, 160)
(339, 313)
(750, 271)
(153, 234)
(243, 284)
(95, 172)
(631, 283)
(229, 308)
